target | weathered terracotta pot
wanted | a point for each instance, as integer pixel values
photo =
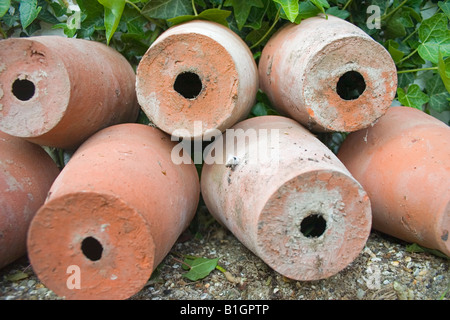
(26, 175)
(197, 71)
(114, 212)
(298, 209)
(57, 91)
(328, 74)
(403, 164)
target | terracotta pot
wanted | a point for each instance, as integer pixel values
(298, 208)
(197, 71)
(403, 164)
(58, 91)
(328, 74)
(26, 175)
(113, 214)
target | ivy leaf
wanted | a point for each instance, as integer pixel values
(290, 8)
(242, 9)
(261, 109)
(430, 50)
(200, 268)
(167, 9)
(255, 35)
(405, 80)
(4, 7)
(414, 97)
(400, 20)
(438, 94)
(135, 22)
(435, 36)
(445, 7)
(92, 18)
(335, 11)
(307, 10)
(392, 47)
(321, 4)
(396, 25)
(442, 68)
(19, 275)
(59, 9)
(215, 15)
(256, 17)
(29, 11)
(415, 248)
(113, 13)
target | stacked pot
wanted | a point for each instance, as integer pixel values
(98, 228)
(331, 77)
(295, 204)
(199, 80)
(116, 209)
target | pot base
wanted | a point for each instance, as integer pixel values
(105, 238)
(314, 225)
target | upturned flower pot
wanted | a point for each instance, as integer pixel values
(403, 164)
(199, 71)
(328, 74)
(58, 91)
(113, 214)
(26, 175)
(286, 197)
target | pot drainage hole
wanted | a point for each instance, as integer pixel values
(23, 89)
(351, 85)
(313, 226)
(92, 248)
(188, 84)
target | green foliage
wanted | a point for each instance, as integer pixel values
(167, 9)
(28, 12)
(113, 14)
(4, 7)
(241, 9)
(199, 268)
(415, 248)
(216, 15)
(414, 97)
(415, 32)
(417, 36)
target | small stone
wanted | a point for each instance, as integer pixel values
(360, 293)
(403, 292)
(31, 283)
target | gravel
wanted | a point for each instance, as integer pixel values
(384, 270)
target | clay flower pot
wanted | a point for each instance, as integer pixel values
(58, 91)
(328, 75)
(403, 164)
(26, 175)
(113, 214)
(297, 208)
(197, 71)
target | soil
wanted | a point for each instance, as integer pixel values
(384, 270)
